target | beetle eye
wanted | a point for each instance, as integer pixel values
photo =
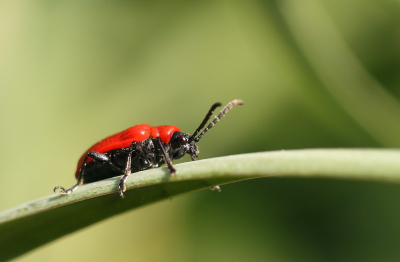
(182, 139)
(179, 139)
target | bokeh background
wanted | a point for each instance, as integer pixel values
(312, 73)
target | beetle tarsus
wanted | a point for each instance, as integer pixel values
(65, 191)
(121, 194)
(121, 185)
(216, 188)
(59, 187)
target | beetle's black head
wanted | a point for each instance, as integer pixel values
(182, 144)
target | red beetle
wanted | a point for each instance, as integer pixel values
(139, 148)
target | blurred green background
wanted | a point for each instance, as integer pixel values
(312, 74)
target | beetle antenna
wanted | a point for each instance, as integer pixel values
(205, 120)
(217, 117)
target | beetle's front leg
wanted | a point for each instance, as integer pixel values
(165, 156)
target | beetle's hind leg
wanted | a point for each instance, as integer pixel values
(66, 191)
(98, 157)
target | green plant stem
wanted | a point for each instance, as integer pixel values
(36, 223)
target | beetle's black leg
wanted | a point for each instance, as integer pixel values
(98, 157)
(165, 156)
(216, 188)
(127, 172)
(135, 146)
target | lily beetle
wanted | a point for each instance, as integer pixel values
(139, 148)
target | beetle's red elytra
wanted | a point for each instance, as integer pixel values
(139, 148)
(125, 138)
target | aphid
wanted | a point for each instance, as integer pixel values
(139, 148)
